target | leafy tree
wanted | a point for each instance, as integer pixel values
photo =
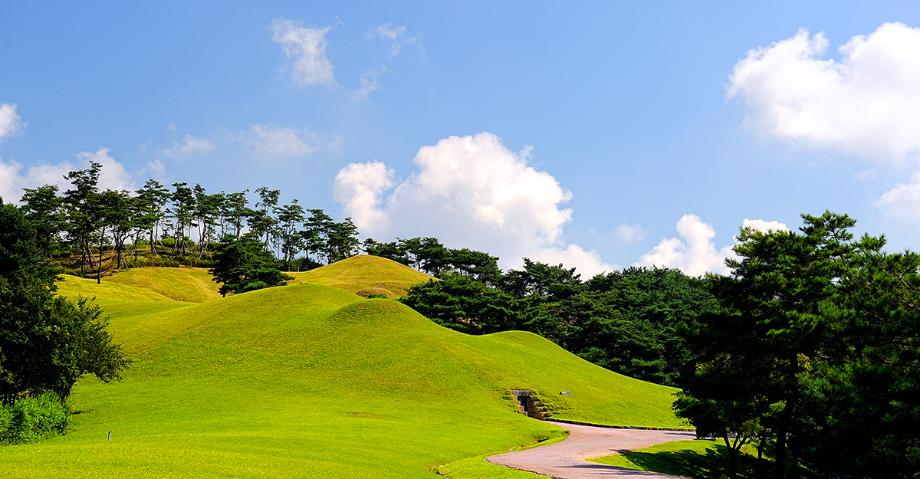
(244, 264)
(150, 211)
(235, 211)
(342, 240)
(475, 264)
(183, 208)
(206, 212)
(84, 216)
(394, 250)
(46, 342)
(316, 235)
(262, 223)
(553, 282)
(44, 209)
(813, 352)
(117, 211)
(290, 217)
(462, 303)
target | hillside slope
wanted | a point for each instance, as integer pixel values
(315, 381)
(364, 275)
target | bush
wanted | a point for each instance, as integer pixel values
(32, 418)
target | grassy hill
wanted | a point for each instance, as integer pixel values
(314, 381)
(364, 275)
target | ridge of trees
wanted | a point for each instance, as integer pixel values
(99, 230)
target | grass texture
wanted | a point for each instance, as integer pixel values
(313, 380)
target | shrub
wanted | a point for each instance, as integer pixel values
(32, 418)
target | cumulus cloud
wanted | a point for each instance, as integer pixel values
(10, 121)
(14, 178)
(359, 187)
(188, 147)
(630, 234)
(694, 250)
(470, 191)
(903, 201)
(866, 102)
(305, 48)
(764, 226)
(269, 142)
(397, 37)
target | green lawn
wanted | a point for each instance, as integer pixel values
(315, 381)
(699, 459)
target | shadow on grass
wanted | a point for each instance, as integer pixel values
(711, 465)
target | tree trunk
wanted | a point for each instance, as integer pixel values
(99, 266)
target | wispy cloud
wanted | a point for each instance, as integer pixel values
(397, 37)
(370, 82)
(188, 147)
(271, 142)
(305, 48)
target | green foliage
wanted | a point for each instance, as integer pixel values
(627, 321)
(814, 353)
(32, 419)
(432, 257)
(245, 265)
(464, 304)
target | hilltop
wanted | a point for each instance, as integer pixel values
(364, 275)
(313, 380)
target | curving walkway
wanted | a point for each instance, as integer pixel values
(566, 459)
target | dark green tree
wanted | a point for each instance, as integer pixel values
(290, 217)
(46, 342)
(44, 208)
(182, 212)
(244, 264)
(462, 303)
(150, 211)
(84, 212)
(235, 211)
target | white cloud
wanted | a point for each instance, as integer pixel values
(397, 37)
(867, 102)
(10, 121)
(469, 191)
(370, 82)
(630, 234)
(587, 262)
(764, 226)
(114, 176)
(188, 147)
(694, 250)
(268, 142)
(359, 187)
(903, 201)
(13, 179)
(154, 168)
(10, 181)
(305, 47)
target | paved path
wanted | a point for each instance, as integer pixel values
(566, 459)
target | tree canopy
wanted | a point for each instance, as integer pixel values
(46, 341)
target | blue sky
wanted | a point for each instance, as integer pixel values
(585, 132)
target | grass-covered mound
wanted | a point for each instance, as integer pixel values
(364, 275)
(315, 381)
